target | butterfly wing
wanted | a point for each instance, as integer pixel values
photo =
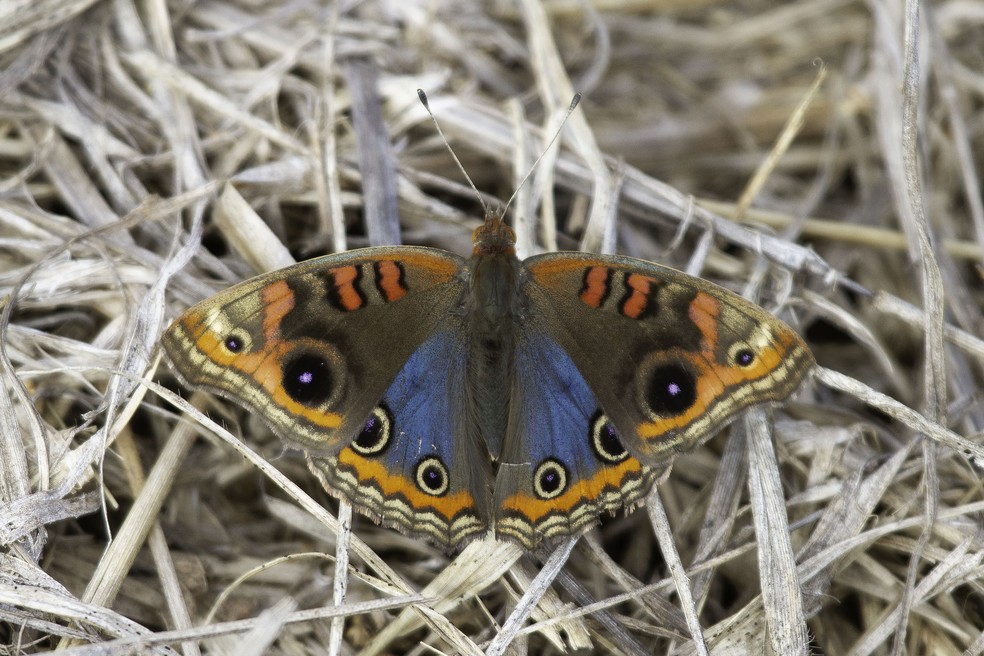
(359, 359)
(669, 357)
(415, 465)
(562, 463)
(313, 347)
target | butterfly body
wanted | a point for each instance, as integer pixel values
(446, 396)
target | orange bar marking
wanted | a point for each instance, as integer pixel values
(587, 490)
(370, 470)
(388, 279)
(637, 303)
(704, 311)
(348, 295)
(278, 300)
(595, 286)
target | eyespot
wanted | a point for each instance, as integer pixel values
(376, 433)
(605, 442)
(307, 378)
(235, 342)
(742, 355)
(550, 479)
(432, 476)
(671, 389)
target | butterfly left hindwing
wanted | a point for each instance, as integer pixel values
(411, 466)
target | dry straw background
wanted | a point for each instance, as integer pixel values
(820, 156)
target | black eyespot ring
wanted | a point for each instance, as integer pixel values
(376, 433)
(671, 389)
(432, 476)
(743, 355)
(605, 442)
(550, 479)
(235, 342)
(307, 378)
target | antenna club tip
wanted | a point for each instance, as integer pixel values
(423, 98)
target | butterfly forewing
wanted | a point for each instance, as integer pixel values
(670, 357)
(313, 347)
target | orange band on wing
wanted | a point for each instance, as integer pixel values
(278, 300)
(561, 265)
(583, 491)
(374, 473)
(637, 302)
(712, 380)
(264, 368)
(704, 311)
(440, 268)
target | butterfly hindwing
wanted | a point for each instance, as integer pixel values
(412, 466)
(563, 463)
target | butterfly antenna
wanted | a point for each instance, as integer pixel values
(426, 104)
(574, 101)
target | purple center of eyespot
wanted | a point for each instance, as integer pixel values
(609, 433)
(550, 480)
(432, 477)
(745, 357)
(233, 344)
(373, 439)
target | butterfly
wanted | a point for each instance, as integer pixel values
(446, 396)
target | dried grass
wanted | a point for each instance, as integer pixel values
(143, 142)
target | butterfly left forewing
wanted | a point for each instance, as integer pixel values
(313, 347)
(671, 358)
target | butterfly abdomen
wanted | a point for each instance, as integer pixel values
(491, 310)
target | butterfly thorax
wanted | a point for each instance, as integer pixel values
(492, 320)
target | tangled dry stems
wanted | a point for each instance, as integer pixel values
(147, 146)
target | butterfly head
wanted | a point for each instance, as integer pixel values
(493, 237)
